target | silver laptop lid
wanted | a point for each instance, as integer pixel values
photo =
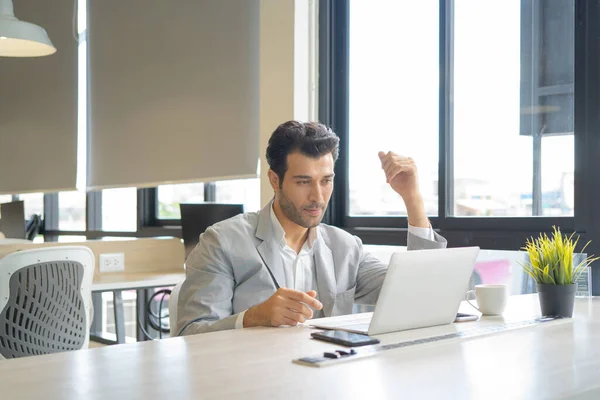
(423, 288)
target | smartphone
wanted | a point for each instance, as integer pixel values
(344, 338)
(460, 317)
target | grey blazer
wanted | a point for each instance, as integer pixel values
(225, 273)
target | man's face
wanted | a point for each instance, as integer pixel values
(306, 188)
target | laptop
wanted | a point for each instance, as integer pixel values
(421, 288)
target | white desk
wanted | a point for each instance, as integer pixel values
(107, 282)
(543, 361)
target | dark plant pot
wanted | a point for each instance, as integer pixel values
(557, 300)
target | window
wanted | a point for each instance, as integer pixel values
(516, 88)
(34, 203)
(513, 150)
(169, 197)
(393, 99)
(494, 80)
(71, 211)
(243, 191)
(119, 210)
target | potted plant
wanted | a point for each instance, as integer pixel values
(551, 266)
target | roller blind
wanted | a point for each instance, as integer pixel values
(173, 93)
(38, 106)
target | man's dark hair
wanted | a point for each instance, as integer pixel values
(311, 139)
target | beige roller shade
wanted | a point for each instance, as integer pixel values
(174, 91)
(38, 106)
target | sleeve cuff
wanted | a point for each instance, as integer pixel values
(239, 322)
(423, 233)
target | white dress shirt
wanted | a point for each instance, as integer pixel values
(299, 268)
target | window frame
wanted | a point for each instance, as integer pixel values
(94, 219)
(148, 223)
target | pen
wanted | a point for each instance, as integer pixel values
(268, 269)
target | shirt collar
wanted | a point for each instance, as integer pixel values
(279, 232)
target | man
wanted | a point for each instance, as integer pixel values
(281, 266)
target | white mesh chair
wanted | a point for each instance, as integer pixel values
(173, 309)
(45, 300)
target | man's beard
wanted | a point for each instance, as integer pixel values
(295, 215)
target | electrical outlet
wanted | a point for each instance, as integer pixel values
(112, 262)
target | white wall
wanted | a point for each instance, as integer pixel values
(287, 70)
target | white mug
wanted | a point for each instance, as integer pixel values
(491, 299)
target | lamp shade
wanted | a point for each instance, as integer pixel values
(19, 38)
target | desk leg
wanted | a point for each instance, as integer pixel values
(142, 317)
(119, 316)
(96, 328)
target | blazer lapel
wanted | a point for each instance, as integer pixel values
(269, 248)
(326, 283)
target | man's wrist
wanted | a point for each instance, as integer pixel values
(412, 200)
(248, 318)
(419, 222)
(415, 208)
(252, 317)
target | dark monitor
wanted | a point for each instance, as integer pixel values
(195, 218)
(12, 219)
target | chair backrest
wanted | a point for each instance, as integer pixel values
(195, 218)
(45, 300)
(173, 309)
